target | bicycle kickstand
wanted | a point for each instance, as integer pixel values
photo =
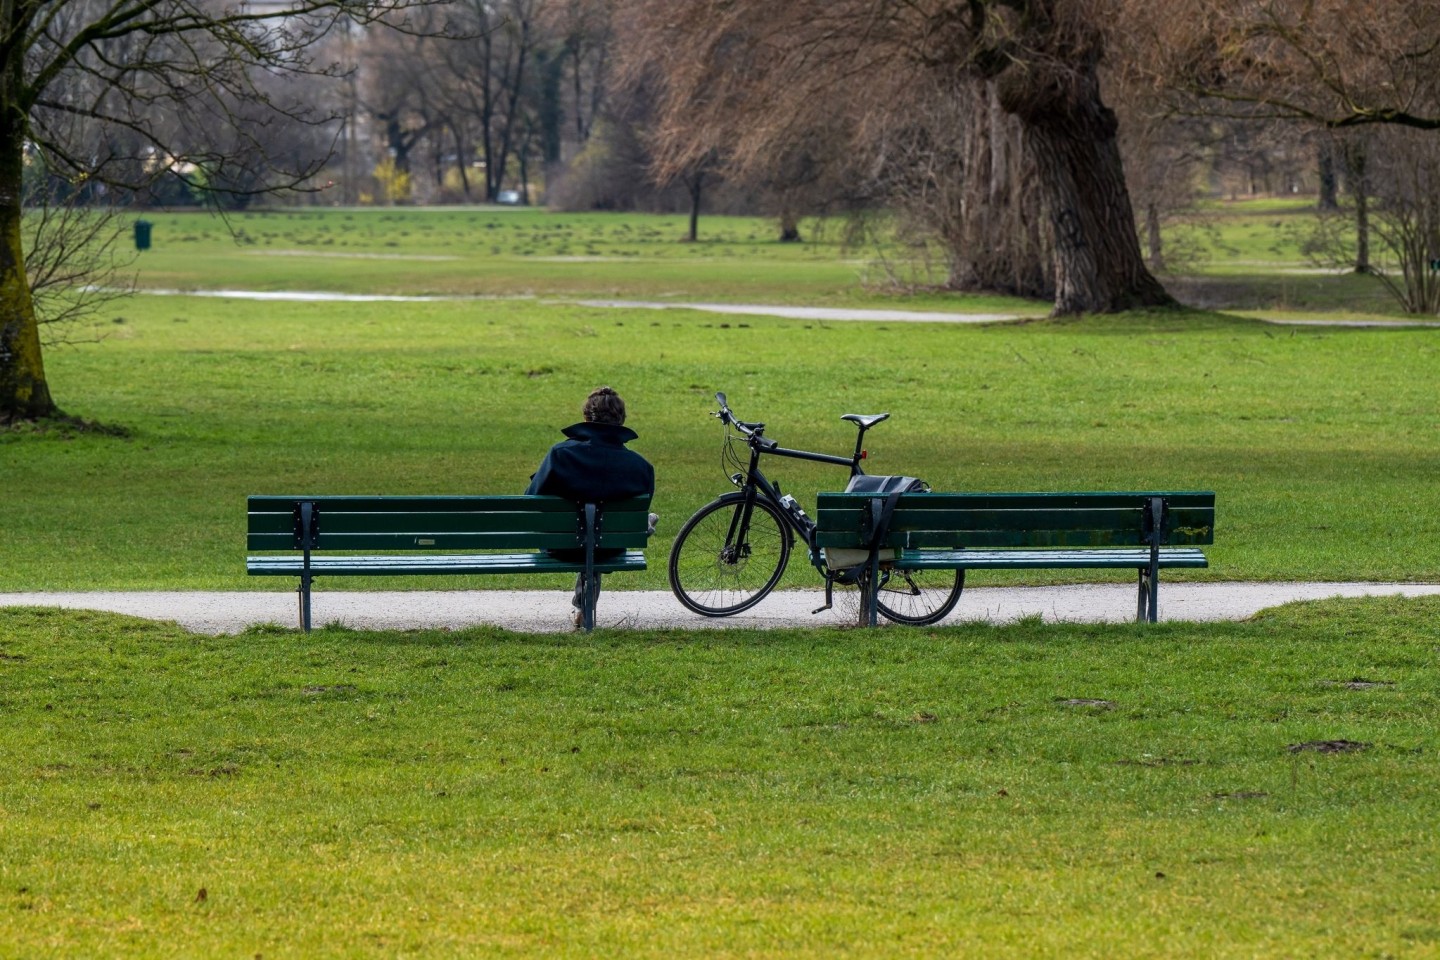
(829, 597)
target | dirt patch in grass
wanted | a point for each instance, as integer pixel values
(61, 428)
(1328, 746)
(1359, 683)
(1157, 762)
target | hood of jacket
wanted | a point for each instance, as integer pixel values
(601, 432)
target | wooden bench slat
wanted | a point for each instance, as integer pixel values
(446, 563)
(918, 539)
(444, 541)
(1099, 559)
(1037, 500)
(441, 522)
(483, 503)
(923, 511)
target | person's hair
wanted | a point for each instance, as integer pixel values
(604, 406)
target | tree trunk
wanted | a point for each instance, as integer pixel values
(1356, 162)
(461, 160)
(991, 220)
(1362, 232)
(1153, 240)
(789, 225)
(24, 394)
(1329, 200)
(696, 185)
(1071, 136)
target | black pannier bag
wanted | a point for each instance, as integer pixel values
(846, 563)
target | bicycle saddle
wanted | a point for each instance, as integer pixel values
(866, 420)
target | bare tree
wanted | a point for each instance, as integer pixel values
(742, 75)
(586, 33)
(127, 91)
(1397, 197)
(1334, 63)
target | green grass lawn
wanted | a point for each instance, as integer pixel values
(1318, 442)
(1021, 791)
(499, 252)
(1018, 791)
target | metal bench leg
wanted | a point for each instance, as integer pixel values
(304, 597)
(872, 591)
(591, 598)
(590, 579)
(1147, 605)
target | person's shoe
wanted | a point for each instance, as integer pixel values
(654, 519)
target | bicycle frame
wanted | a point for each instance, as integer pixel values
(754, 483)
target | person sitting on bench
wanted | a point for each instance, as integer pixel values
(593, 465)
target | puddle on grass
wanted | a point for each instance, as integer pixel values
(742, 309)
(784, 312)
(307, 296)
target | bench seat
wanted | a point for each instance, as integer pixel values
(458, 564)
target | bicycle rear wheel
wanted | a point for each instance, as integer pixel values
(717, 568)
(918, 597)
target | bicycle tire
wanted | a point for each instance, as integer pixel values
(716, 578)
(927, 596)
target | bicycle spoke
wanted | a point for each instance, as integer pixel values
(716, 573)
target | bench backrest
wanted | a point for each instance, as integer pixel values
(440, 523)
(1017, 519)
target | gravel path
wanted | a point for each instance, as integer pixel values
(541, 611)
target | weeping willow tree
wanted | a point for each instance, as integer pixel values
(741, 77)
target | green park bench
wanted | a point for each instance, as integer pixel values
(1145, 532)
(409, 536)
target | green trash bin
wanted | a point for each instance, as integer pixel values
(142, 234)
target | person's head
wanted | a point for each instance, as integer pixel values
(604, 406)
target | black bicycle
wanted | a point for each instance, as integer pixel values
(733, 551)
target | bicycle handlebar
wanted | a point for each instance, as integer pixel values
(754, 437)
(727, 416)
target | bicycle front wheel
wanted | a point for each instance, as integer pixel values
(720, 564)
(918, 597)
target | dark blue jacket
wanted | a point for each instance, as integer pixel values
(593, 466)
